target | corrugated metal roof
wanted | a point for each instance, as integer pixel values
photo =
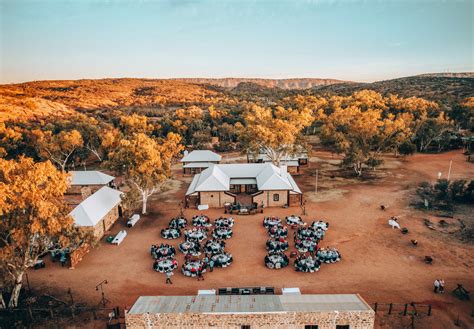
(197, 165)
(248, 304)
(201, 156)
(90, 211)
(90, 177)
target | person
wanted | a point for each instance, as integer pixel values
(199, 274)
(441, 286)
(211, 265)
(436, 286)
(168, 277)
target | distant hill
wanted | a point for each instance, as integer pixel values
(436, 87)
(296, 83)
(42, 98)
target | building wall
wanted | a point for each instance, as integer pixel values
(106, 223)
(215, 199)
(84, 190)
(284, 320)
(267, 198)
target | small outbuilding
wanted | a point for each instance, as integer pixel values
(87, 182)
(198, 160)
(292, 162)
(99, 211)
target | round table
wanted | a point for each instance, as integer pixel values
(158, 252)
(195, 235)
(278, 231)
(271, 221)
(190, 247)
(222, 260)
(331, 255)
(307, 265)
(294, 220)
(179, 222)
(165, 265)
(320, 224)
(214, 247)
(276, 260)
(170, 233)
(224, 222)
(305, 233)
(222, 233)
(275, 245)
(190, 268)
(306, 245)
(201, 220)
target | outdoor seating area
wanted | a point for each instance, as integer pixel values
(162, 251)
(190, 247)
(224, 222)
(276, 260)
(170, 233)
(201, 221)
(271, 221)
(277, 245)
(191, 268)
(178, 222)
(222, 260)
(195, 234)
(329, 255)
(308, 256)
(307, 264)
(223, 233)
(165, 265)
(213, 247)
(294, 220)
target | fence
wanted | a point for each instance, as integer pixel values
(403, 309)
(33, 315)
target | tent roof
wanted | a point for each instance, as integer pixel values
(90, 177)
(90, 211)
(201, 156)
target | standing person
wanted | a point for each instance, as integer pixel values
(199, 274)
(168, 277)
(211, 265)
(436, 286)
(441, 286)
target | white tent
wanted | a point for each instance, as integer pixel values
(91, 177)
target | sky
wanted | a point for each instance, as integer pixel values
(346, 39)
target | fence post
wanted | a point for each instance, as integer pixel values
(429, 309)
(390, 308)
(51, 312)
(30, 313)
(94, 314)
(72, 312)
(375, 307)
(405, 310)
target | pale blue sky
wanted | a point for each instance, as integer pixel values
(351, 40)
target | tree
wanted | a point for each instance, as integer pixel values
(58, 147)
(277, 133)
(361, 135)
(145, 162)
(431, 130)
(33, 215)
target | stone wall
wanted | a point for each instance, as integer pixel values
(267, 198)
(78, 254)
(280, 320)
(106, 223)
(84, 190)
(215, 199)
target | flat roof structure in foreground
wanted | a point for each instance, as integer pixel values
(256, 311)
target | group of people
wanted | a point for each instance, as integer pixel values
(214, 249)
(307, 263)
(439, 286)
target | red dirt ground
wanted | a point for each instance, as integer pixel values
(378, 263)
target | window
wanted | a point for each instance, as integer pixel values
(311, 326)
(342, 326)
(245, 327)
(276, 197)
